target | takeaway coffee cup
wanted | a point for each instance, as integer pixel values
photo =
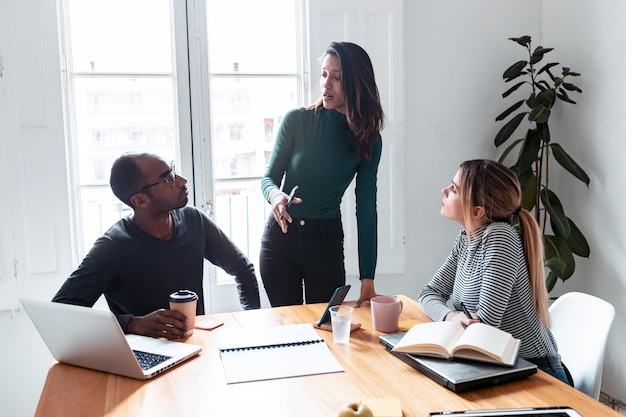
(386, 311)
(185, 301)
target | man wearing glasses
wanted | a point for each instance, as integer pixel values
(154, 252)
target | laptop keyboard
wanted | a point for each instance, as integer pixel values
(148, 360)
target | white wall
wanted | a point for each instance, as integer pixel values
(455, 53)
(591, 38)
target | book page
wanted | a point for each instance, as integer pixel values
(483, 342)
(434, 339)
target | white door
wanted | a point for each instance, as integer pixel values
(242, 85)
(377, 27)
(35, 215)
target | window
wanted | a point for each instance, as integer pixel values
(206, 83)
(120, 100)
(255, 78)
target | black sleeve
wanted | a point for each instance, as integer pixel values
(222, 252)
(94, 275)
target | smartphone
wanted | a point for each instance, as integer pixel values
(337, 298)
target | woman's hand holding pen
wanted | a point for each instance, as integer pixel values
(279, 202)
(471, 318)
(465, 317)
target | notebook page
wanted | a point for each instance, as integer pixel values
(275, 352)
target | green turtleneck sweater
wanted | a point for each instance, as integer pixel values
(311, 151)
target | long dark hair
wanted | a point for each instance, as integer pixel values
(363, 110)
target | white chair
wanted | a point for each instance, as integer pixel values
(580, 324)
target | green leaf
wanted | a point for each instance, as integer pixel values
(528, 181)
(568, 72)
(568, 163)
(538, 54)
(510, 110)
(514, 71)
(563, 96)
(546, 97)
(508, 129)
(523, 40)
(540, 50)
(547, 67)
(551, 281)
(571, 87)
(543, 131)
(556, 265)
(576, 241)
(553, 206)
(539, 114)
(529, 192)
(509, 149)
(556, 247)
(535, 58)
(513, 89)
(530, 150)
(543, 85)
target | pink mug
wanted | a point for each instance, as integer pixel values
(386, 311)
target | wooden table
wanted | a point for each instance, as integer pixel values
(197, 387)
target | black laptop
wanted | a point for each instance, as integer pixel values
(460, 375)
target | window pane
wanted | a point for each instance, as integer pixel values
(245, 115)
(121, 35)
(252, 36)
(253, 62)
(241, 213)
(113, 116)
(117, 115)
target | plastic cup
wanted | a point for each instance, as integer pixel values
(341, 318)
(185, 301)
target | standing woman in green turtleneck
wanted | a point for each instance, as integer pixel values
(320, 149)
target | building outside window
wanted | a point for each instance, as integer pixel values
(122, 100)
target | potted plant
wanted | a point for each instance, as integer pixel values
(536, 151)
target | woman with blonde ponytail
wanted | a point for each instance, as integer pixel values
(495, 268)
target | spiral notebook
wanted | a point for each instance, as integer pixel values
(274, 352)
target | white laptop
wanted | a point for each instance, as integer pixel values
(93, 339)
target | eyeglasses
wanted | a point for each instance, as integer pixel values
(170, 179)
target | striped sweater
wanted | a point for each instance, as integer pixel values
(489, 275)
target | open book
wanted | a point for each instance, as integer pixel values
(448, 339)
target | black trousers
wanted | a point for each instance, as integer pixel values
(309, 256)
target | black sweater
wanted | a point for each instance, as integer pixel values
(136, 272)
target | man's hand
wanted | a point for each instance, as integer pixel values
(160, 323)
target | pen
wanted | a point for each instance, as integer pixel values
(466, 311)
(291, 195)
